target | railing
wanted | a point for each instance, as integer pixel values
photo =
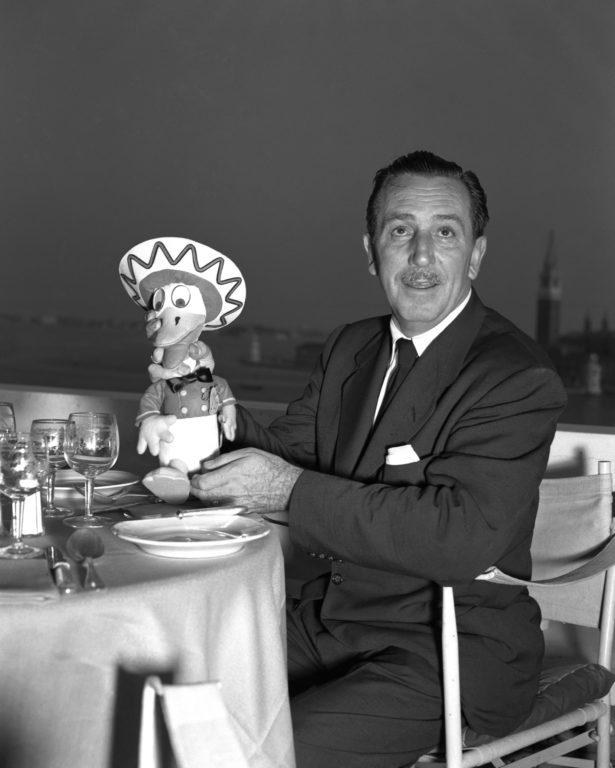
(46, 402)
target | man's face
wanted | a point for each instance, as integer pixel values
(424, 252)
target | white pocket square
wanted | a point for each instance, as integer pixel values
(401, 454)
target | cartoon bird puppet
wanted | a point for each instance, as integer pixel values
(187, 288)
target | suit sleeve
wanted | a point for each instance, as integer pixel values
(476, 501)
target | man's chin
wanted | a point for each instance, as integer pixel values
(419, 315)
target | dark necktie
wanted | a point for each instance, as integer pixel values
(406, 357)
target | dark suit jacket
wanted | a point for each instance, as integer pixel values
(480, 409)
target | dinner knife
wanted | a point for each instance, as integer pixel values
(209, 511)
(61, 571)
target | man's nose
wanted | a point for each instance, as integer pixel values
(422, 250)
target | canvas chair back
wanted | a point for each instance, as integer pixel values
(574, 520)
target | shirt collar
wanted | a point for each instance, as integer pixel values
(422, 340)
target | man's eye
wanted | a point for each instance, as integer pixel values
(446, 232)
(400, 231)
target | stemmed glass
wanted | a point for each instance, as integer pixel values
(7, 418)
(21, 468)
(91, 446)
(49, 434)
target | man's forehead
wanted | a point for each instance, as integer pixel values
(415, 183)
(447, 195)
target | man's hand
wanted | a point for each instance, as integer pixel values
(152, 430)
(250, 477)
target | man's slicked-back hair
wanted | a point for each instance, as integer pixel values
(423, 163)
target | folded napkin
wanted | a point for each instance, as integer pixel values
(26, 581)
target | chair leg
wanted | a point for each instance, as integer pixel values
(603, 754)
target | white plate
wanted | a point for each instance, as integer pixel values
(191, 537)
(108, 483)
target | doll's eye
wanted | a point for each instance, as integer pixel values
(180, 296)
(158, 299)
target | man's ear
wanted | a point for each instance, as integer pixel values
(478, 251)
(372, 265)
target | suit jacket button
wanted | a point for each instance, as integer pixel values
(337, 578)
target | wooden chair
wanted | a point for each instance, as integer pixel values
(187, 726)
(573, 580)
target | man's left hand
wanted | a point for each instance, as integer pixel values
(250, 477)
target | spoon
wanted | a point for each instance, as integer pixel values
(85, 545)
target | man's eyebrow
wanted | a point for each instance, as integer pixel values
(399, 216)
(450, 217)
(404, 216)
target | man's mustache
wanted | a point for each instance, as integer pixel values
(420, 278)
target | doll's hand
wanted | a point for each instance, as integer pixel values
(157, 372)
(228, 419)
(152, 430)
(152, 324)
(201, 352)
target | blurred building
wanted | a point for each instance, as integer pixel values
(585, 359)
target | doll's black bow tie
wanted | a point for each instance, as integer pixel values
(179, 382)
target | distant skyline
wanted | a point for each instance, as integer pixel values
(256, 128)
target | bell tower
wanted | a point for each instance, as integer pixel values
(549, 299)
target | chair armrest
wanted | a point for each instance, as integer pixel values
(604, 559)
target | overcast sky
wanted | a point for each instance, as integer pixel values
(257, 127)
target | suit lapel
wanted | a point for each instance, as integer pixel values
(359, 396)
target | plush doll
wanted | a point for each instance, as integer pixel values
(187, 288)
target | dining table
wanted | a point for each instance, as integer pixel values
(73, 666)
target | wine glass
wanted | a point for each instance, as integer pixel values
(91, 446)
(21, 470)
(49, 435)
(7, 418)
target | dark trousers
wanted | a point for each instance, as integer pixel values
(353, 709)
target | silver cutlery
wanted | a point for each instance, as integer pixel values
(208, 511)
(227, 534)
(119, 498)
(61, 571)
(85, 545)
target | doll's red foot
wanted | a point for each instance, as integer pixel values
(168, 484)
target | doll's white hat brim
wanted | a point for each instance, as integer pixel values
(155, 263)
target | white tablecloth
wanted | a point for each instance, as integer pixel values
(72, 668)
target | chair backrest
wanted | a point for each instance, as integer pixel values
(576, 450)
(574, 520)
(194, 717)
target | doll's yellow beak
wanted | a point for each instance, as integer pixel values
(177, 326)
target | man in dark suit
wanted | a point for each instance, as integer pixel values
(403, 492)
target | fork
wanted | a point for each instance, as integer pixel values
(101, 498)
